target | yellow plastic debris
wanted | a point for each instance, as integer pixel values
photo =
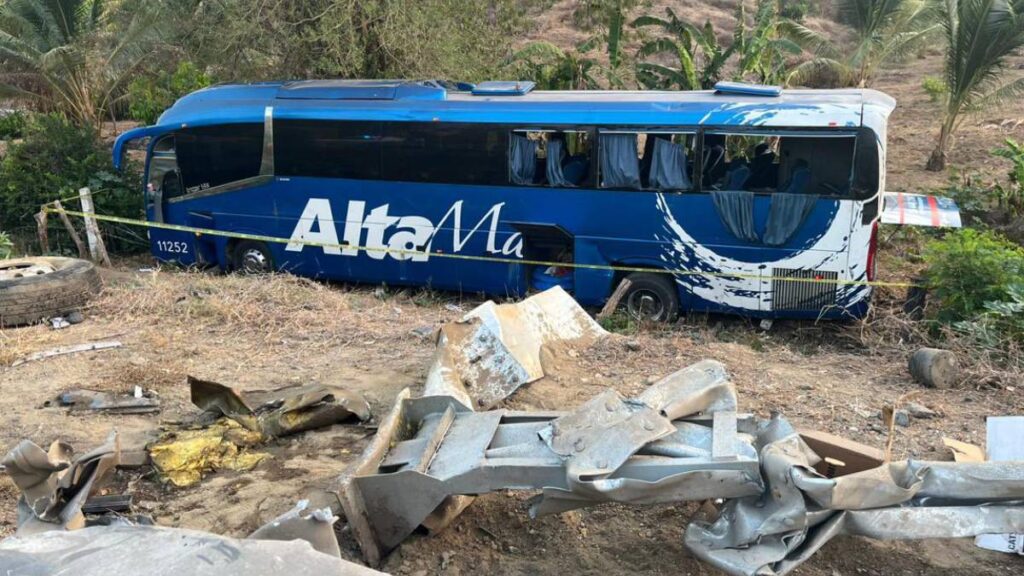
(183, 456)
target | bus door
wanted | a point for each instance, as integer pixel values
(164, 184)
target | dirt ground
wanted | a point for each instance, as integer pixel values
(256, 333)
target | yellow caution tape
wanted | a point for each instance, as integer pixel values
(495, 259)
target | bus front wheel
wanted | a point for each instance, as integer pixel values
(651, 297)
(250, 257)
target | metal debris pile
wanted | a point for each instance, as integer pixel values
(681, 440)
(781, 494)
(55, 535)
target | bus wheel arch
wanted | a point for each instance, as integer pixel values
(250, 257)
(651, 296)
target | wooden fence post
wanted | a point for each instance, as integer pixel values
(92, 230)
(44, 236)
(82, 252)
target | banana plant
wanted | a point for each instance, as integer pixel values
(699, 58)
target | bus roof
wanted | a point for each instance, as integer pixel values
(516, 103)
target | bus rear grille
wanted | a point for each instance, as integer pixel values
(797, 295)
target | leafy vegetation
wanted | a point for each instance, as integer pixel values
(699, 58)
(885, 31)
(968, 269)
(555, 69)
(12, 124)
(934, 87)
(55, 159)
(761, 52)
(149, 95)
(980, 35)
(1000, 326)
(244, 40)
(1011, 196)
(6, 246)
(74, 56)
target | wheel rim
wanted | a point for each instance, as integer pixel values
(254, 261)
(24, 270)
(645, 304)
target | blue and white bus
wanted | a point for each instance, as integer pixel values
(722, 201)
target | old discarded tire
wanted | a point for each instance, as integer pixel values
(34, 289)
(651, 297)
(934, 368)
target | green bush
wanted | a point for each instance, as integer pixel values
(1001, 325)
(148, 96)
(6, 246)
(1011, 196)
(970, 269)
(795, 9)
(12, 124)
(54, 160)
(935, 88)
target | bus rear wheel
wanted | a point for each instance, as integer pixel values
(651, 297)
(250, 257)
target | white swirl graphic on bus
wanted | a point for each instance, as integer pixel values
(400, 237)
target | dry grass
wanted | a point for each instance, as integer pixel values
(888, 331)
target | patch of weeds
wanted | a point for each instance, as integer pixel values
(426, 298)
(621, 322)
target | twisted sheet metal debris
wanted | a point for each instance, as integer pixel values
(55, 484)
(53, 536)
(124, 550)
(682, 439)
(431, 449)
(282, 411)
(496, 348)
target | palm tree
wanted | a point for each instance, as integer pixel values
(884, 31)
(980, 34)
(66, 55)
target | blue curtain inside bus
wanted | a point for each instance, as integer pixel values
(556, 153)
(523, 160)
(668, 166)
(620, 166)
(786, 215)
(736, 210)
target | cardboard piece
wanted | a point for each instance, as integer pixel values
(840, 456)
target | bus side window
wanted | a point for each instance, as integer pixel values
(741, 162)
(327, 149)
(210, 156)
(550, 158)
(444, 152)
(646, 160)
(790, 164)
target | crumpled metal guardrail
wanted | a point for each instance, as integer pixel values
(682, 439)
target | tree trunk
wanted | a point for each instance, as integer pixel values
(937, 161)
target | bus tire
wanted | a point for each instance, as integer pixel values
(651, 296)
(34, 289)
(251, 257)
